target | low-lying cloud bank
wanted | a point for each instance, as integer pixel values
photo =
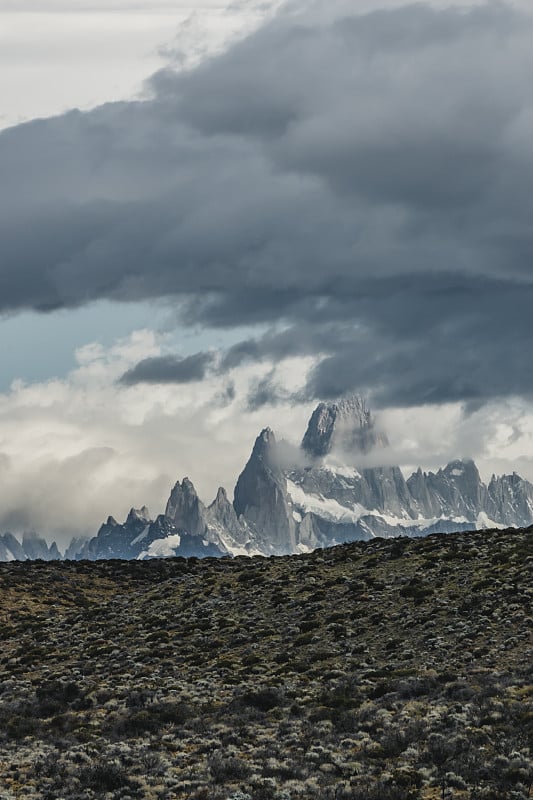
(364, 178)
(75, 450)
(78, 449)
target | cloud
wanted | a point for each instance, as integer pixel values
(168, 369)
(75, 450)
(367, 191)
(266, 392)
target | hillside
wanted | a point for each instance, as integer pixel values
(381, 670)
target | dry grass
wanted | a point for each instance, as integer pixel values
(389, 670)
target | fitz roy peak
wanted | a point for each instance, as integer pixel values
(294, 499)
(346, 426)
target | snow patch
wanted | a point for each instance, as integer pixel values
(242, 551)
(404, 522)
(324, 507)
(161, 548)
(420, 523)
(343, 471)
(483, 521)
(333, 511)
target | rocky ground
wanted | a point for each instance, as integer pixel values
(373, 671)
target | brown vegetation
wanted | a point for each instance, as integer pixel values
(388, 670)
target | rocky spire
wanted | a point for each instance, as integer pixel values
(35, 547)
(11, 548)
(138, 515)
(261, 497)
(222, 517)
(347, 426)
(186, 510)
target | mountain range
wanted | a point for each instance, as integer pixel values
(296, 499)
(31, 547)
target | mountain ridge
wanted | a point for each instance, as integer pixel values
(317, 500)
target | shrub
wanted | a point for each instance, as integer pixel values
(416, 590)
(151, 719)
(55, 696)
(263, 699)
(21, 725)
(227, 770)
(104, 777)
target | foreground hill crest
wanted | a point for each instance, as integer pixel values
(381, 670)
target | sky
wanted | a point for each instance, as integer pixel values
(215, 215)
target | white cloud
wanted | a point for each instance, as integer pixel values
(498, 436)
(75, 450)
(57, 55)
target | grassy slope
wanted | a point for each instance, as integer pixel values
(391, 669)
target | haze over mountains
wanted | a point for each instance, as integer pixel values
(294, 499)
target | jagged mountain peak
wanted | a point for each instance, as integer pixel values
(30, 536)
(35, 547)
(317, 438)
(460, 462)
(220, 499)
(264, 443)
(185, 485)
(138, 515)
(11, 549)
(512, 478)
(185, 508)
(221, 506)
(461, 468)
(286, 502)
(261, 497)
(346, 425)
(183, 492)
(217, 525)
(355, 406)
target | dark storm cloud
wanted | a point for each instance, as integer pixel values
(168, 369)
(366, 180)
(266, 392)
